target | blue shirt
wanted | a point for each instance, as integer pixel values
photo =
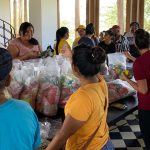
(19, 127)
(86, 41)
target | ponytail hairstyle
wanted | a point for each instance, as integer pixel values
(23, 29)
(60, 33)
(88, 59)
(142, 39)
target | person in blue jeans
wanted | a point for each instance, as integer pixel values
(108, 146)
(19, 127)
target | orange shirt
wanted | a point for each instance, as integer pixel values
(87, 104)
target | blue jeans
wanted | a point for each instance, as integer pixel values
(108, 146)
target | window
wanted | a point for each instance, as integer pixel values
(19, 12)
(109, 14)
(147, 15)
(67, 15)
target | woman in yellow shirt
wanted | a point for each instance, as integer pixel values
(62, 46)
(85, 126)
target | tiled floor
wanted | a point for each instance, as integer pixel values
(126, 134)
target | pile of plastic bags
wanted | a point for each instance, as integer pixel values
(43, 83)
(48, 83)
(119, 89)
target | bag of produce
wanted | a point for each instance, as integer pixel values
(49, 89)
(16, 85)
(117, 64)
(119, 89)
(30, 90)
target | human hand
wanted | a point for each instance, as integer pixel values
(33, 54)
(123, 77)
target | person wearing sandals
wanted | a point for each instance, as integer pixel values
(85, 126)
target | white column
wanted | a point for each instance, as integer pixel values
(43, 16)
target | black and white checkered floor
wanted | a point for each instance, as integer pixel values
(126, 135)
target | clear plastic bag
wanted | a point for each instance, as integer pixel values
(117, 64)
(119, 89)
(55, 127)
(29, 91)
(45, 127)
(49, 89)
(69, 84)
(47, 99)
(16, 85)
(15, 89)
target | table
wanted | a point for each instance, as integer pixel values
(114, 114)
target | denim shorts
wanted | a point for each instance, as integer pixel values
(108, 146)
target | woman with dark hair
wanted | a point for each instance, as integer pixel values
(107, 43)
(24, 47)
(89, 39)
(141, 68)
(85, 126)
(62, 34)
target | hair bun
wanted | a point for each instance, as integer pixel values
(98, 55)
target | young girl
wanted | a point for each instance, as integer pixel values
(85, 126)
(141, 70)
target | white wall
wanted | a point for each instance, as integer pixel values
(4, 15)
(35, 18)
(43, 16)
(49, 22)
(5, 10)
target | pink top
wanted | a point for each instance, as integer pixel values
(22, 48)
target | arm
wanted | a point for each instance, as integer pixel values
(127, 49)
(129, 56)
(14, 51)
(140, 85)
(70, 126)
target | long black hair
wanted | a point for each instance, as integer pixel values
(60, 33)
(88, 59)
(23, 29)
